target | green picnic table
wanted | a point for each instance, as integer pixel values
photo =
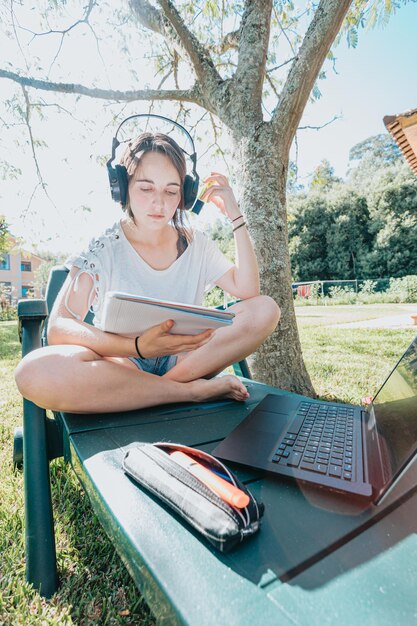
(318, 558)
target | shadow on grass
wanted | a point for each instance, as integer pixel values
(94, 580)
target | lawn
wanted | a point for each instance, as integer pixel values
(340, 314)
(344, 364)
(350, 363)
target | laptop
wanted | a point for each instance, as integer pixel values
(339, 446)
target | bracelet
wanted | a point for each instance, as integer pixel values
(137, 347)
(240, 226)
(236, 218)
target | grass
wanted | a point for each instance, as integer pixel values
(340, 314)
(95, 586)
(347, 365)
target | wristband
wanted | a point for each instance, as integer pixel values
(236, 218)
(137, 347)
(240, 226)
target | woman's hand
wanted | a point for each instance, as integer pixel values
(221, 194)
(159, 341)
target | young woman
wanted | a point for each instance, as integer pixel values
(150, 252)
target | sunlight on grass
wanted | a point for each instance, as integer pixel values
(341, 314)
(348, 365)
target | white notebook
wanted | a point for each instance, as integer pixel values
(130, 315)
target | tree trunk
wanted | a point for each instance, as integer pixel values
(261, 165)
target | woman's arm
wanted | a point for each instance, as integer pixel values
(242, 280)
(64, 328)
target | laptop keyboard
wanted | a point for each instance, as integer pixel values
(319, 440)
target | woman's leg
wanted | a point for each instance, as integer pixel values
(76, 379)
(255, 319)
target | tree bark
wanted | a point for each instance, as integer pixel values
(261, 165)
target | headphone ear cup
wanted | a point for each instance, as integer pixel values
(118, 183)
(190, 190)
(123, 183)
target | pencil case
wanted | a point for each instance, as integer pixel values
(223, 525)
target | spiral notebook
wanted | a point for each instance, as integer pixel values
(131, 315)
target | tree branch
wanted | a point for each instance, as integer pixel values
(270, 81)
(44, 104)
(319, 37)
(190, 95)
(13, 19)
(65, 31)
(170, 25)
(229, 42)
(41, 181)
(253, 47)
(284, 32)
(181, 108)
(277, 67)
(200, 58)
(148, 16)
(93, 32)
(335, 117)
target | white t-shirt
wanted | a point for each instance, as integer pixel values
(115, 265)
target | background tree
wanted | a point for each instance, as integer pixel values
(394, 213)
(381, 149)
(348, 238)
(329, 235)
(324, 177)
(337, 233)
(376, 160)
(309, 221)
(220, 232)
(5, 293)
(379, 172)
(231, 73)
(3, 235)
(43, 271)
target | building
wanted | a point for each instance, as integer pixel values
(17, 272)
(403, 128)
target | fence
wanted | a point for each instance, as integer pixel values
(306, 289)
(322, 288)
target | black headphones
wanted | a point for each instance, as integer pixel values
(118, 174)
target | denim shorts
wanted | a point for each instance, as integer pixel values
(158, 366)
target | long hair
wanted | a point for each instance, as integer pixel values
(158, 142)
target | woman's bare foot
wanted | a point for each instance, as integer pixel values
(215, 388)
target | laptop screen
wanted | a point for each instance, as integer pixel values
(395, 413)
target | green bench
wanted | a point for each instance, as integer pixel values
(317, 559)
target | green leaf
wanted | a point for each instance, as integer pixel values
(352, 38)
(316, 93)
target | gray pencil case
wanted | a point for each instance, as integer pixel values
(223, 525)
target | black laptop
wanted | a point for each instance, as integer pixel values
(340, 446)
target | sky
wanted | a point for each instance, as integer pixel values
(375, 79)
